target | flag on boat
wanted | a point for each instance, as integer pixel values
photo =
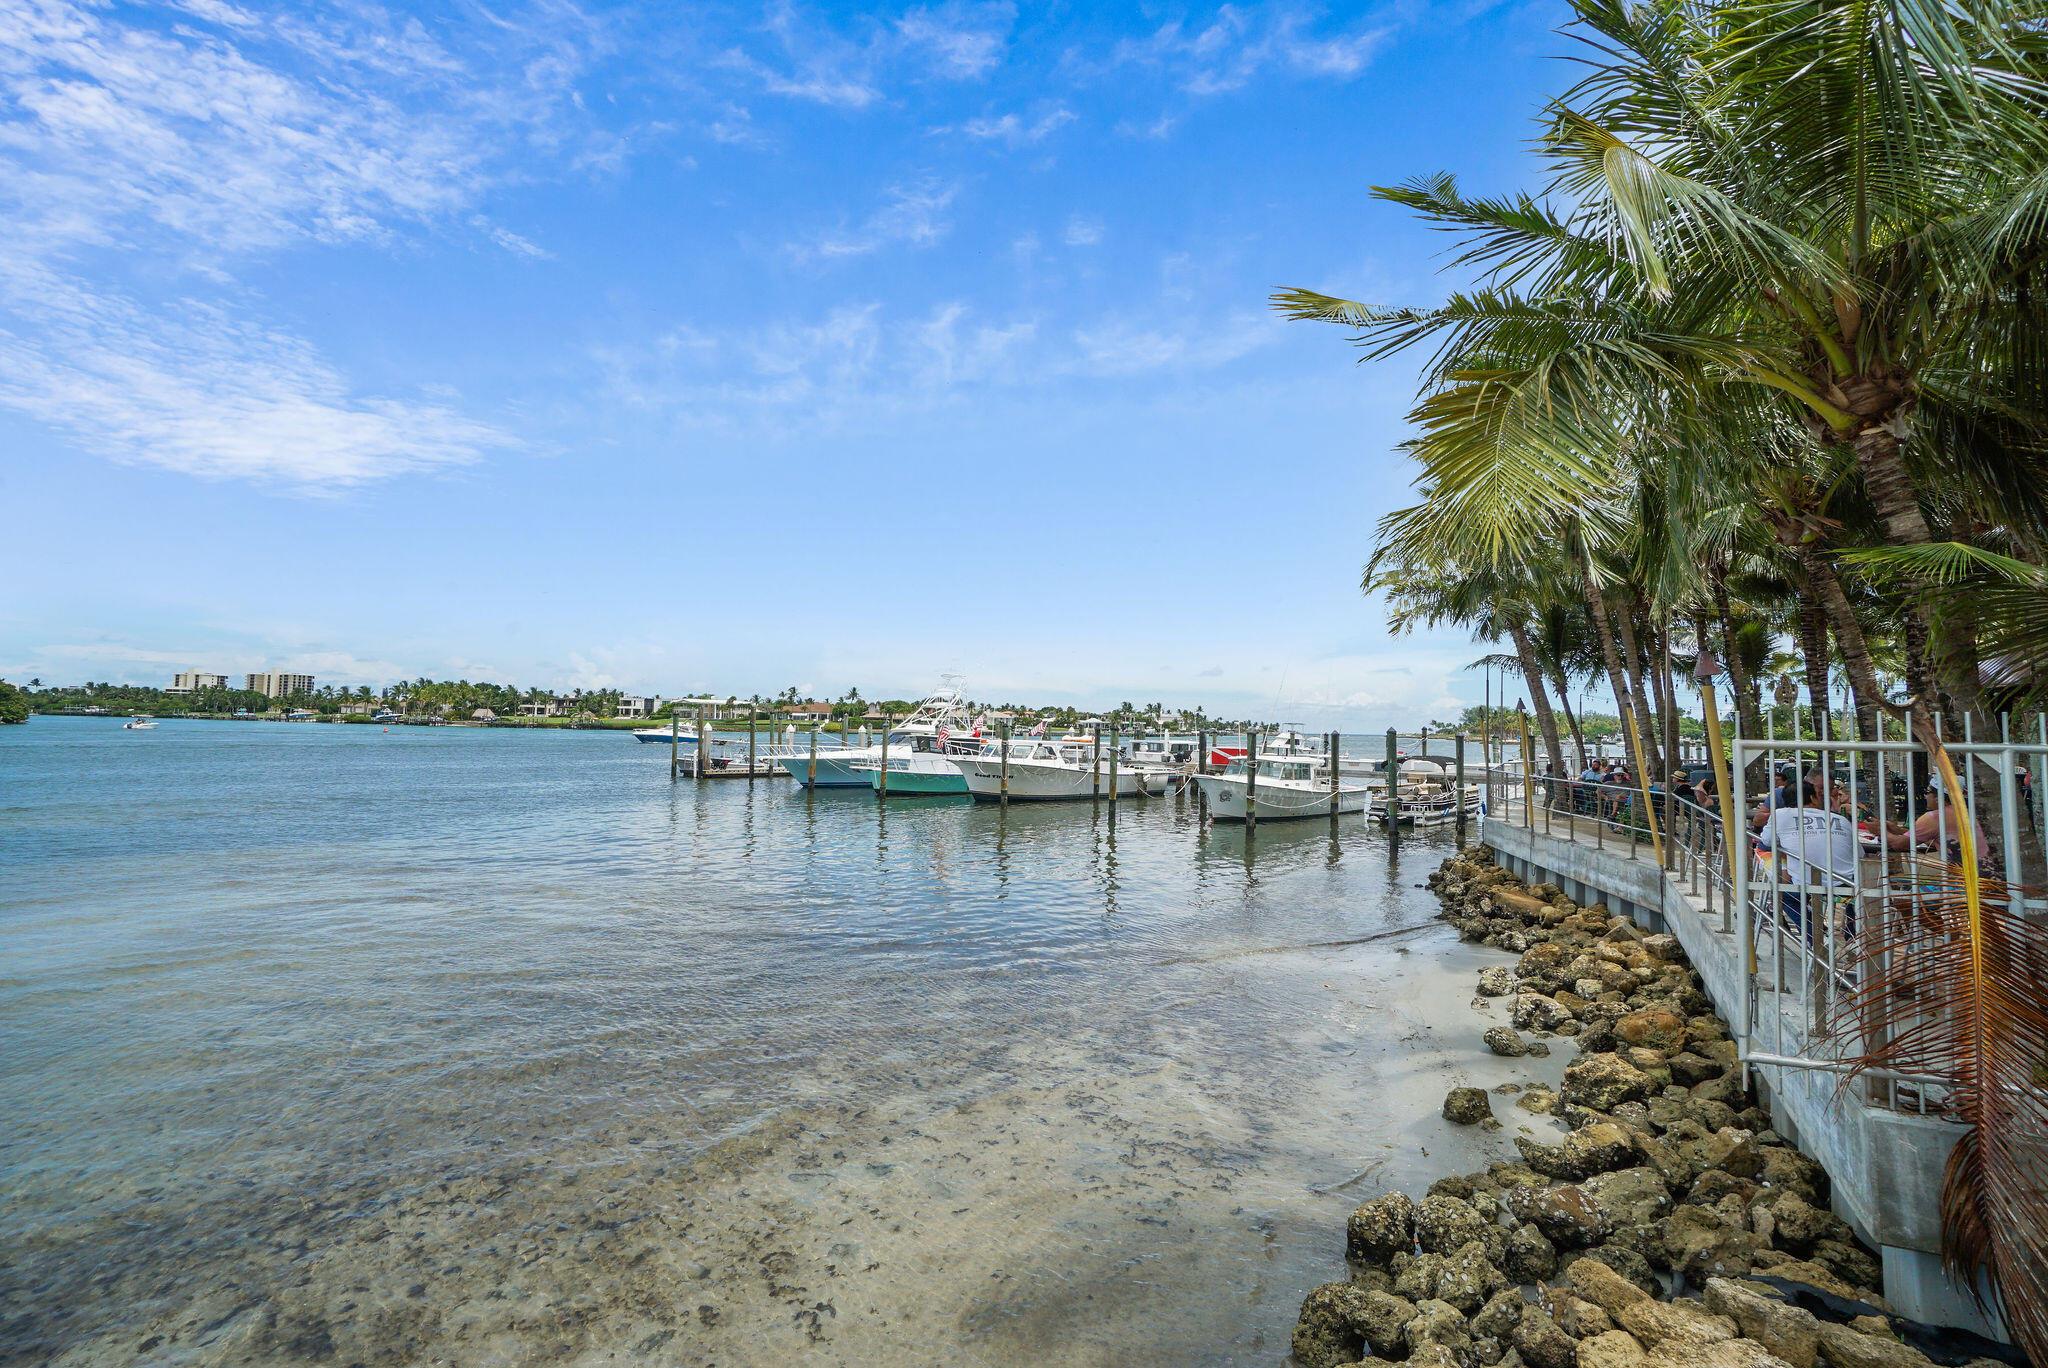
(979, 723)
(1039, 730)
(944, 736)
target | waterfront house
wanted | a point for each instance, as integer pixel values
(805, 712)
(637, 706)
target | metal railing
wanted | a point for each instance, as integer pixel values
(1804, 887)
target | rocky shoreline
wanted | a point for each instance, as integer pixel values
(1670, 1227)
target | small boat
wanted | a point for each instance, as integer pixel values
(1290, 784)
(664, 736)
(1174, 754)
(924, 765)
(1428, 794)
(140, 724)
(1046, 771)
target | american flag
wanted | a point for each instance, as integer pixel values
(944, 736)
(1039, 730)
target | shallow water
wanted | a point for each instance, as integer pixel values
(332, 1043)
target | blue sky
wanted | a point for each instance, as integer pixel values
(696, 347)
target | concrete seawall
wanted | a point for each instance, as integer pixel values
(1886, 1166)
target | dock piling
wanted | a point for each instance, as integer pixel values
(811, 770)
(1251, 780)
(882, 775)
(1114, 744)
(1095, 775)
(675, 744)
(1459, 797)
(1333, 775)
(1393, 792)
(750, 745)
(1006, 764)
(703, 747)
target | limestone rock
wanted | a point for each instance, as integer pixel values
(1468, 1277)
(1542, 1101)
(1416, 1276)
(1381, 1318)
(1846, 1348)
(1443, 1225)
(1653, 1028)
(1688, 1069)
(1438, 1325)
(1497, 981)
(1790, 1332)
(1505, 1041)
(1733, 1151)
(1630, 1263)
(1629, 1197)
(1602, 1286)
(1603, 1081)
(1330, 1330)
(1802, 1225)
(1501, 1314)
(1530, 1257)
(1577, 1317)
(1542, 1343)
(1598, 1148)
(1466, 1106)
(1702, 1243)
(1615, 1349)
(1381, 1228)
(1535, 1012)
(1674, 1327)
(1565, 1214)
(1785, 1167)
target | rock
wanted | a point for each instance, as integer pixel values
(1381, 1319)
(1813, 1275)
(1466, 1106)
(1675, 1327)
(1787, 1168)
(1542, 1343)
(1468, 1278)
(1501, 1314)
(1629, 1197)
(1539, 1049)
(1416, 1276)
(1790, 1332)
(1653, 1028)
(1535, 1012)
(1846, 1348)
(1540, 1100)
(1603, 1081)
(1577, 1317)
(1565, 1214)
(1381, 1228)
(1630, 1264)
(1602, 1286)
(1444, 1225)
(1701, 1243)
(1615, 1349)
(1734, 1151)
(1727, 1090)
(1497, 981)
(1663, 946)
(1802, 1225)
(1688, 1069)
(1529, 1257)
(1437, 1325)
(1505, 1041)
(1330, 1331)
(1849, 1261)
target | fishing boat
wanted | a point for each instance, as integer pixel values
(837, 767)
(922, 766)
(140, 724)
(1427, 794)
(1173, 754)
(1290, 784)
(664, 736)
(1046, 771)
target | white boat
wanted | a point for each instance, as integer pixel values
(664, 736)
(837, 767)
(1290, 784)
(1046, 771)
(922, 765)
(140, 724)
(1165, 754)
(1429, 794)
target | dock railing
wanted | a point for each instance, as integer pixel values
(1797, 921)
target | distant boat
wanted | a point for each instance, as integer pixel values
(837, 767)
(1294, 783)
(1045, 771)
(664, 736)
(919, 765)
(140, 724)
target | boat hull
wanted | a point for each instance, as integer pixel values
(1036, 783)
(662, 736)
(1276, 800)
(919, 782)
(835, 768)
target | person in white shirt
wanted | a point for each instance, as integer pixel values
(1815, 843)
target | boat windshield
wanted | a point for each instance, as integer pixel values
(1286, 769)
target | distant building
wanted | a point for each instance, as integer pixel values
(634, 705)
(806, 712)
(548, 707)
(359, 708)
(483, 715)
(272, 685)
(715, 709)
(192, 681)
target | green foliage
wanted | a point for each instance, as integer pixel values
(13, 704)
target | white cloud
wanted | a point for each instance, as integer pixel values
(1015, 131)
(1238, 45)
(912, 214)
(960, 42)
(511, 241)
(195, 390)
(1082, 232)
(1121, 347)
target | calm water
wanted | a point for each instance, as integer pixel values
(332, 1043)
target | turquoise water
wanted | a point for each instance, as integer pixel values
(274, 998)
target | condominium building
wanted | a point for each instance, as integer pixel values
(192, 681)
(636, 705)
(272, 685)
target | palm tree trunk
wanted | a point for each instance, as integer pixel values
(1610, 654)
(1748, 706)
(1539, 697)
(1571, 719)
(1813, 646)
(1652, 758)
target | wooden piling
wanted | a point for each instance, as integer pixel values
(1006, 765)
(1459, 788)
(703, 747)
(1095, 775)
(750, 745)
(882, 775)
(675, 745)
(1333, 776)
(811, 770)
(1251, 780)
(1114, 744)
(1393, 791)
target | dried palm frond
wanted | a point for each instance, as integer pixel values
(1952, 985)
